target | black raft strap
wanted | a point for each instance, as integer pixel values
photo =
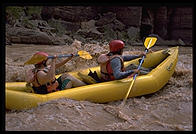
(140, 61)
(94, 75)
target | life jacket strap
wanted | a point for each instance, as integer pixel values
(106, 73)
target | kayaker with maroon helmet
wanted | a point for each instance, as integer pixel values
(112, 64)
(42, 77)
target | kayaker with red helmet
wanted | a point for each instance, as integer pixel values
(42, 77)
(112, 64)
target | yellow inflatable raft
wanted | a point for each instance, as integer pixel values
(163, 62)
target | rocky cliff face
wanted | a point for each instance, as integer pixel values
(61, 25)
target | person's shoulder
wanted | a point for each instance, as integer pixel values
(116, 59)
(119, 57)
(103, 58)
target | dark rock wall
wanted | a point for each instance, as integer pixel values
(87, 23)
(181, 24)
(168, 23)
(130, 16)
(160, 22)
(69, 13)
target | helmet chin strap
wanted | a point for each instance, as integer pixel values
(44, 63)
(121, 52)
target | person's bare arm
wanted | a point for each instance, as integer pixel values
(63, 62)
(43, 77)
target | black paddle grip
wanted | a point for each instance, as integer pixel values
(146, 49)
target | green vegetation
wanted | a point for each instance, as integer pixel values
(59, 29)
(16, 12)
(23, 14)
(34, 10)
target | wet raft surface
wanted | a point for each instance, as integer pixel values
(168, 109)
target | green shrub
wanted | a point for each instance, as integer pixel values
(15, 11)
(59, 29)
(34, 10)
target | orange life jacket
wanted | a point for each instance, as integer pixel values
(38, 88)
(105, 66)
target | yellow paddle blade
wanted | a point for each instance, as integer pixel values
(35, 59)
(84, 55)
(149, 42)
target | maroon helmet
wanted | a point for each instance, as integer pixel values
(116, 45)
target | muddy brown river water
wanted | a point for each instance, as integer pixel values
(169, 109)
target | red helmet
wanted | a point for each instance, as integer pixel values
(42, 54)
(116, 45)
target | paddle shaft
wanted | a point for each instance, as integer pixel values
(62, 56)
(134, 77)
(141, 62)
